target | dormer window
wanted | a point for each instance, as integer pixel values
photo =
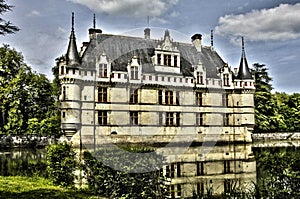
(199, 79)
(159, 59)
(134, 72)
(102, 70)
(167, 60)
(226, 79)
(175, 61)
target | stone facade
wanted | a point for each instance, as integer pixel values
(144, 87)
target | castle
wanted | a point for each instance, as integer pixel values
(143, 87)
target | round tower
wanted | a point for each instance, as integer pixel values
(70, 97)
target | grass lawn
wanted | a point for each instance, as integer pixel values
(35, 187)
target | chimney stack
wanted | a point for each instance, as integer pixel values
(147, 33)
(196, 40)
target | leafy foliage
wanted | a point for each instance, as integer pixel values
(6, 27)
(278, 173)
(104, 180)
(27, 103)
(61, 164)
(276, 112)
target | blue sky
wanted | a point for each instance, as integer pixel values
(271, 29)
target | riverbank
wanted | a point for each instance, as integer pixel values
(31, 141)
(276, 136)
(35, 188)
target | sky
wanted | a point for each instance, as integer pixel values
(271, 29)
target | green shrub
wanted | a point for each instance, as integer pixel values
(105, 181)
(61, 164)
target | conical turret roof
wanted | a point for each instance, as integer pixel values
(72, 53)
(244, 71)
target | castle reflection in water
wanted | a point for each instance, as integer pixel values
(215, 169)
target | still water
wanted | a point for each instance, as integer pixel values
(200, 170)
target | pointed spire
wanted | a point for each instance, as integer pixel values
(72, 53)
(244, 71)
(94, 21)
(211, 38)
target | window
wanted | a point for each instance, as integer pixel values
(225, 100)
(226, 79)
(74, 71)
(199, 119)
(170, 171)
(160, 96)
(167, 60)
(92, 73)
(179, 190)
(134, 72)
(226, 119)
(227, 186)
(226, 166)
(64, 114)
(175, 61)
(102, 118)
(200, 188)
(178, 170)
(160, 118)
(134, 96)
(62, 70)
(199, 99)
(159, 59)
(177, 119)
(169, 79)
(200, 168)
(64, 93)
(177, 98)
(199, 79)
(103, 70)
(85, 73)
(134, 118)
(162, 78)
(169, 119)
(169, 97)
(156, 78)
(172, 191)
(102, 94)
(150, 78)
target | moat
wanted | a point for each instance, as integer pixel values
(199, 170)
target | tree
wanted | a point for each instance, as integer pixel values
(27, 102)
(6, 27)
(267, 118)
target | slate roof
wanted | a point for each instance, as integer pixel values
(120, 50)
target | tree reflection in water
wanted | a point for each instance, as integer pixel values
(23, 162)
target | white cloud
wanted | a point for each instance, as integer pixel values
(33, 13)
(279, 23)
(137, 8)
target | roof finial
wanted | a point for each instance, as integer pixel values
(243, 44)
(148, 21)
(72, 21)
(212, 38)
(94, 21)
